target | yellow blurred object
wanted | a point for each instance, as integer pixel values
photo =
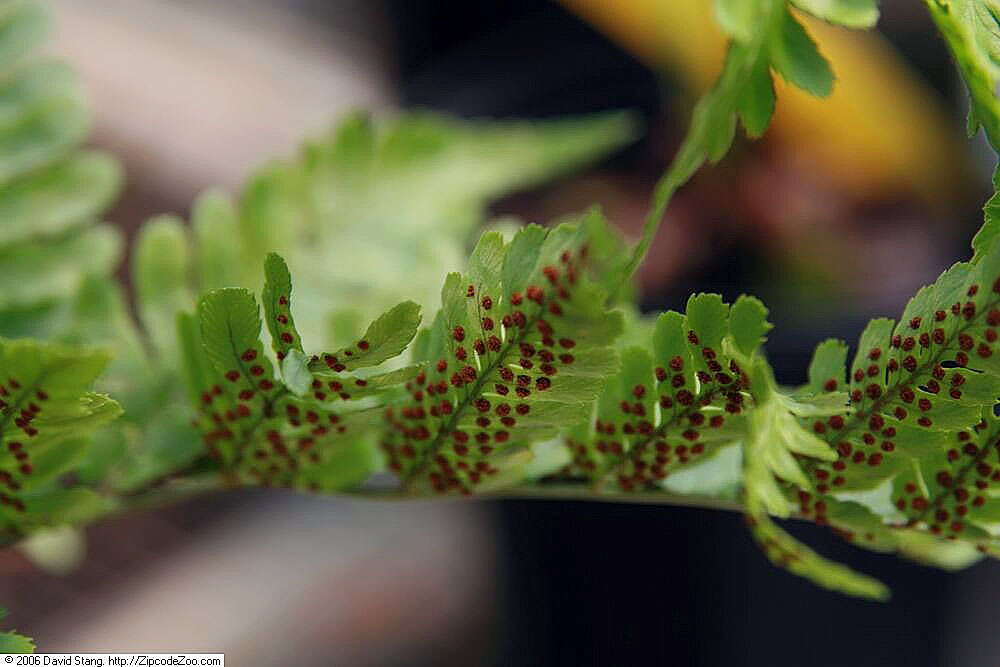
(881, 132)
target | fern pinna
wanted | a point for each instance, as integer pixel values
(679, 406)
(520, 346)
(296, 428)
(47, 414)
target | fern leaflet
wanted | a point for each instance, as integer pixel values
(46, 416)
(520, 346)
(275, 431)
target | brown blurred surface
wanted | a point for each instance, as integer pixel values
(262, 576)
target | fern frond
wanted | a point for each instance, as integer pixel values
(341, 197)
(916, 442)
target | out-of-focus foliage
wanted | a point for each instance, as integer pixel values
(972, 30)
(882, 129)
(51, 191)
(380, 203)
(11, 642)
(764, 37)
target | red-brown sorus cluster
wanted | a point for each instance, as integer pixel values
(923, 346)
(335, 362)
(871, 449)
(337, 388)
(251, 373)
(677, 392)
(24, 408)
(905, 382)
(961, 487)
(280, 455)
(514, 351)
(651, 461)
(656, 451)
(221, 414)
(286, 334)
(270, 441)
(582, 461)
(676, 441)
(815, 507)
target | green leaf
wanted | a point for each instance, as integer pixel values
(748, 323)
(161, 268)
(736, 18)
(59, 197)
(169, 444)
(23, 24)
(755, 100)
(33, 85)
(827, 370)
(11, 642)
(384, 339)
(708, 315)
(56, 551)
(230, 331)
(50, 192)
(343, 468)
(678, 410)
(65, 506)
(784, 551)
(766, 36)
(311, 430)
(849, 13)
(45, 134)
(197, 371)
(277, 299)
(393, 199)
(795, 57)
(219, 255)
(930, 550)
(35, 272)
(971, 30)
(774, 436)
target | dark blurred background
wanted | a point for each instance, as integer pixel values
(837, 215)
